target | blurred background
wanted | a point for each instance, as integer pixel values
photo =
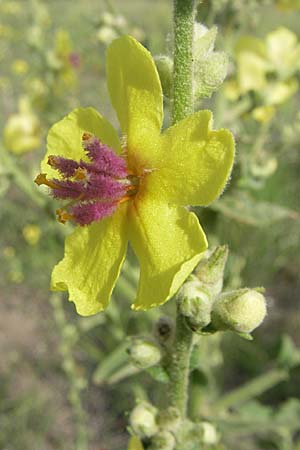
(66, 381)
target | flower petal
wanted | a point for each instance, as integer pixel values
(168, 242)
(93, 258)
(135, 92)
(65, 137)
(196, 161)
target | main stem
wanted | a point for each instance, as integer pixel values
(184, 16)
(179, 366)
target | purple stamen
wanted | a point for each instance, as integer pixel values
(95, 188)
(66, 167)
(85, 213)
(104, 159)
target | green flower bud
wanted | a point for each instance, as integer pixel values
(189, 436)
(242, 311)
(164, 440)
(210, 271)
(204, 40)
(169, 419)
(210, 74)
(164, 66)
(210, 435)
(210, 68)
(195, 304)
(143, 420)
(144, 353)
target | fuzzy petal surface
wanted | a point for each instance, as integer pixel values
(169, 242)
(136, 95)
(93, 258)
(196, 161)
(65, 137)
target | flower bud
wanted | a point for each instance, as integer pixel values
(210, 74)
(210, 270)
(143, 420)
(144, 353)
(242, 311)
(164, 440)
(210, 435)
(195, 304)
(210, 68)
(164, 66)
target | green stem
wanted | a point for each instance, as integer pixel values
(252, 389)
(184, 16)
(179, 366)
(21, 179)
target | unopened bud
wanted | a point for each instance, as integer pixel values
(210, 74)
(210, 436)
(195, 304)
(210, 270)
(144, 353)
(242, 311)
(164, 66)
(210, 68)
(143, 420)
(204, 40)
(164, 440)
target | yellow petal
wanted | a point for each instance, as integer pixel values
(195, 162)
(136, 94)
(93, 258)
(168, 242)
(65, 137)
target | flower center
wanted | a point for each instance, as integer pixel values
(94, 188)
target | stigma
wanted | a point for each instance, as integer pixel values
(94, 187)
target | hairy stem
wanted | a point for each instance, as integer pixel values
(184, 16)
(179, 366)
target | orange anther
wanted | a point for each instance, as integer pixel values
(52, 160)
(42, 179)
(80, 173)
(63, 216)
(86, 136)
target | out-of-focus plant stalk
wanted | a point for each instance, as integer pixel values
(251, 389)
(68, 335)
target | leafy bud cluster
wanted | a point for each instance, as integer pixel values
(207, 309)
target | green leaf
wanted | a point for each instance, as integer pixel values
(158, 373)
(243, 208)
(245, 336)
(289, 355)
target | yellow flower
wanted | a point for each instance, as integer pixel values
(188, 163)
(22, 132)
(19, 66)
(267, 67)
(31, 234)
